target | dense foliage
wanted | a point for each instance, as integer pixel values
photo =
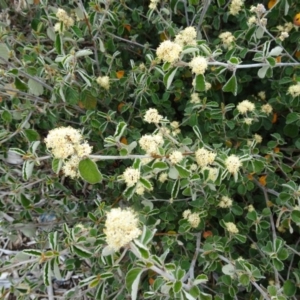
(149, 149)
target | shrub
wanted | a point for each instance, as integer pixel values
(150, 150)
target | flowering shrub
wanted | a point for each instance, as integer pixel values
(150, 150)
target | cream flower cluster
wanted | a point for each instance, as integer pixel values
(67, 143)
(227, 39)
(153, 4)
(131, 176)
(121, 227)
(245, 106)
(151, 143)
(284, 30)
(225, 202)
(235, 7)
(175, 126)
(258, 138)
(168, 51)
(204, 157)
(64, 142)
(152, 116)
(267, 109)
(63, 18)
(259, 9)
(198, 65)
(192, 218)
(103, 81)
(294, 90)
(186, 37)
(195, 98)
(262, 95)
(163, 177)
(231, 227)
(175, 157)
(233, 164)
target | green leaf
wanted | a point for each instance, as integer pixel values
(27, 169)
(82, 252)
(291, 130)
(292, 117)
(278, 264)
(271, 61)
(58, 43)
(120, 130)
(295, 215)
(128, 193)
(262, 71)
(168, 78)
(244, 279)
(183, 172)
(47, 273)
(56, 165)
(132, 281)
(20, 85)
(35, 87)
(33, 252)
(146, 183)
(25, 201)
(175, 189)
(202, 278)
(200, 83)
(240, 238)
(289, 288)
(53, 239)
(231, 85)
(159, 166)
(4, 52)
(72, 96)
(89, 171)
(177, 286)
(6, 116)
(32, 135)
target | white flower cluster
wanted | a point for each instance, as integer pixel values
(233, 164)
(225, 202)
(258, 138)
(151, 143)
(204, 157)
(267, 109)
(198, 65)
(163, 177)
(195, 98)
(131, 176)
(168, 51)
(259, 10)
(175, 157)
(152, 116)
(67, 142)
(175, 127)
(103, 81)
(153, 4)
(186, 37)
(245, 106)
(235, 7)
(121, 227)
(193, 218)
(64, 20)
(284, 30)
(227, 39)
(262, 95)
(231, 227)
(294, 90)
